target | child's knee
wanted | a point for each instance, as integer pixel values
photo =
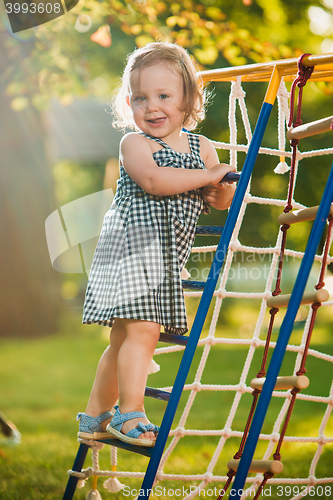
(143, 330)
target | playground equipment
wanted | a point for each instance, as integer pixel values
(267, 383)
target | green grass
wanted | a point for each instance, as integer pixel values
(45, 382)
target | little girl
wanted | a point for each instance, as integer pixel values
(147, 235)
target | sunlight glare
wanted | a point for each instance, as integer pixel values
(320, 21)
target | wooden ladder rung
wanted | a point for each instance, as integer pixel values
(283, 383)
(312, 128)
(301, 215)
(321, 295)
(273, 466)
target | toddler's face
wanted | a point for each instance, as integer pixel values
(156, 100)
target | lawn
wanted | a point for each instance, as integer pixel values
(45, 382)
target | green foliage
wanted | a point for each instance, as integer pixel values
(58, 60)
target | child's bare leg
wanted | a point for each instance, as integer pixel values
(134, 358)
(104, 393)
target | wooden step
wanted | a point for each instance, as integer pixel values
(209, 230)
(193, 285)
(283, 383)
(157, 394)
(321, 295)
(273, 466)
(312, 128)
(300, 215)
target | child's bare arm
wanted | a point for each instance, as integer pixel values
(136, 157)
(218, 195)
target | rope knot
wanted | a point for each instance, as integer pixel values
(302, 77)
(321, 439)
(304, 73)
(196, 386)
(227, 432)
(237, 90)
(312, 480)
(180, 431)
(256, 342)
(242, 387)
(208, 476)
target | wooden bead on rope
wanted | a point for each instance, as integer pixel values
(273, 466)
(321, 295)
(283, 383)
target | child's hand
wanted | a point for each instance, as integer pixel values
(219, 194)
(218, 172)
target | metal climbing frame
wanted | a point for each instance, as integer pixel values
(272, 72)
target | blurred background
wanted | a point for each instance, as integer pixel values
(57, 145)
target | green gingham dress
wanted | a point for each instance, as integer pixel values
(144, 244)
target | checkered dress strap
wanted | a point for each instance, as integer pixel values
(156, 139)
(193, 140)
(194, 144)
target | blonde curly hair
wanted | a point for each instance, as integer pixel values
(177, 59)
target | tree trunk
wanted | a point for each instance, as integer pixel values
(29, 288)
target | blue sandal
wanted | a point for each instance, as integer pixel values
(132, 437)
(90, 427)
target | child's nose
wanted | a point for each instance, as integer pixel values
(152, 105)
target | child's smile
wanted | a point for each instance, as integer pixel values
(156, 122)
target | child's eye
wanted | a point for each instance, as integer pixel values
(163, 96)
(139, 98)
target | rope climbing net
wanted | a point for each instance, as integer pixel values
(291, 390)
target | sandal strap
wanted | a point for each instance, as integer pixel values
(120, 418)
(103, 416)
(141, 429)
